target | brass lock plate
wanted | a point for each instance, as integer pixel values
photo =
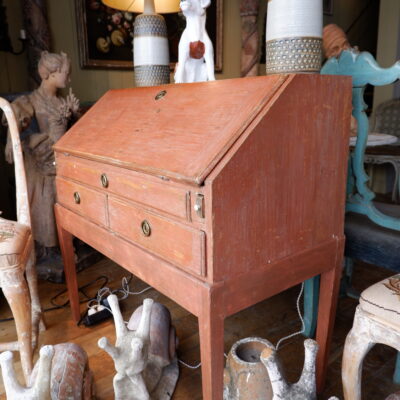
(199, 205)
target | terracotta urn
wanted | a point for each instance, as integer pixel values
(245, 377)
(334, 41)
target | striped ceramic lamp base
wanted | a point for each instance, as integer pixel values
(294, 36)
(151, 54)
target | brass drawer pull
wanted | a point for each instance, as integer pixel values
(146, 228)
(104, 180)
(77, 198)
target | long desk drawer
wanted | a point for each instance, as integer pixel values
(151, 192)
(176, 243)
(84, 201)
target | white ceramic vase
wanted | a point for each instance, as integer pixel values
(294, 36)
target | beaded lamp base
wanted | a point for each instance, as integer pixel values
(150, 48)
(296, 54)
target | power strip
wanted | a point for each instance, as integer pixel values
(97, 314)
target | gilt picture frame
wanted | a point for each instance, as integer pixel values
(105, 35)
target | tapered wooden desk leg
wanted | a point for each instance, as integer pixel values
(67, 251)
(211, 330)
(329, 290)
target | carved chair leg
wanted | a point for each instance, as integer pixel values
(16, 292)
(356, 347)
(37, 316)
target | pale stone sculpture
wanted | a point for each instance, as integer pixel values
(196, 52)
(61, 373)
(41, 388)
(53, 114)
(305, 388)
(144, 358)
(161, 372)
(130, 353)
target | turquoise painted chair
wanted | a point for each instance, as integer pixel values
(372, 230)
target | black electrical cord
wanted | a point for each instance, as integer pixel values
(116, 292)
(81, 289)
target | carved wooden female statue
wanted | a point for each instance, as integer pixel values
(53, 115)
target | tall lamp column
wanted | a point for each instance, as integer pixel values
(150, 43)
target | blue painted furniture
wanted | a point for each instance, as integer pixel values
(372, 230)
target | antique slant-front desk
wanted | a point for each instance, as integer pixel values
(217, 194)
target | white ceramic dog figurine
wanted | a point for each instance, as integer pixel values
(196, 53)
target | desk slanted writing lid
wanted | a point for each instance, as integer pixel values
(181, 136)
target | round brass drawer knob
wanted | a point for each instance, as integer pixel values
(77, 198)
(146, 228)
(104, 180)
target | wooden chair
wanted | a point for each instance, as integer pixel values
(377, 320)
(386, 119)
(17, 259)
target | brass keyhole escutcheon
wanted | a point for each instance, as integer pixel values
(77, 198)
(104, 180)
(146, 228)
(161, 94)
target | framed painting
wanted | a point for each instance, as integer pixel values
(105, 34)
(328, 7)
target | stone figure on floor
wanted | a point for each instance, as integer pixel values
(144, 353)
(62, 372)
(305, 388)
(130, 353)
(53, 115)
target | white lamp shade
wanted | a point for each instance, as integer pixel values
(137, 6)
(294, 18)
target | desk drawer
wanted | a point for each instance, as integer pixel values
(150, 191)
(176, 243)
(82, 200)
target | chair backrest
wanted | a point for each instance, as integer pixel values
(23, 211)
(386, 118)
(364, 70)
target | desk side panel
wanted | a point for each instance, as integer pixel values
(281, 190)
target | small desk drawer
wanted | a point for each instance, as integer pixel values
(176, 243)
(82, 200)
(152, 192)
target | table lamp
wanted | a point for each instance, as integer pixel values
(150, 43)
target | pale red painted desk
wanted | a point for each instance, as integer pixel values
(218, 195)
